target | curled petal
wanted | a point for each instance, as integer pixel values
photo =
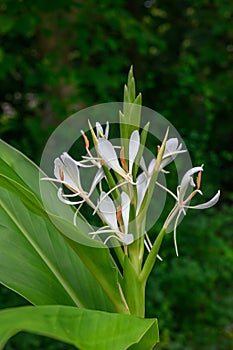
(208, 204)
(188, 180)
(66, 201)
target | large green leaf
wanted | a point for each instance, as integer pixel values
(41, 265)
(85, 329)
(38, 263)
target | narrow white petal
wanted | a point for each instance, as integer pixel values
(99, 130)
(134, 144)
(98, 177)
(208, 204)
(108, 211)
(108, 153)
(143, 164)
(107, 130)
(125, 204)
(185, 182)
(151, 166)
(141, 186)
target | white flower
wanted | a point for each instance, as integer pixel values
(66, 173)
(109, 213)
(109, 156)
(182, 202)
(143, 181)
(172, 149)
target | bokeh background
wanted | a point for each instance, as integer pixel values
(57, 57)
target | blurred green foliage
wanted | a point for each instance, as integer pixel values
(58, 57)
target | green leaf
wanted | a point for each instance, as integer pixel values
(37, 263)
(85, 329)
(51, 272)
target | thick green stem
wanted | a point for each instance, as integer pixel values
(134, 289)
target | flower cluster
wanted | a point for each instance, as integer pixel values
(125, 199)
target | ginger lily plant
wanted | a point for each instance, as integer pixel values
(76, 275)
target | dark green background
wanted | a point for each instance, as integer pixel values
(57, 57)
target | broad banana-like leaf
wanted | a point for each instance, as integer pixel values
(36, 261)
(85, 329)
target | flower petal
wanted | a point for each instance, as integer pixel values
(134, 144)
(208, 204)
(172, 149)
(141, 186)
(71, 172)
(67, 172)
(108, 211)
(98, 177)
(106, 130)
(66, 201)
(127, 238)
(125, 204)
(151, 166)
(188, 180)
(99, 130)
(108, 153)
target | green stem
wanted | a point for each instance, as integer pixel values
(134, 289)
(151, 258)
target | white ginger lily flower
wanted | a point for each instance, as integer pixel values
(182, 203)
(143, 181)
(94, 161)
(109, 156)
(109, 214)
(172, 149)
(66, 172)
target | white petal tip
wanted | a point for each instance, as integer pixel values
(127, 239)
